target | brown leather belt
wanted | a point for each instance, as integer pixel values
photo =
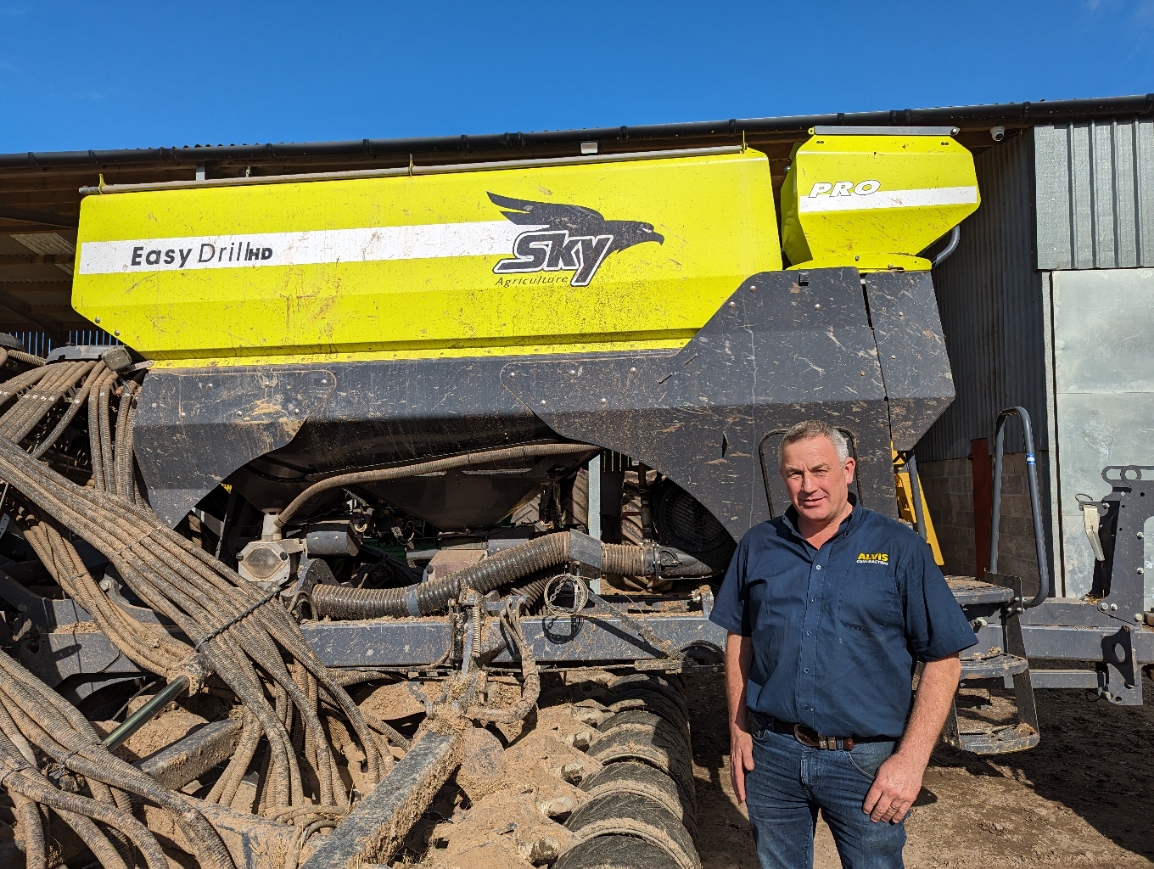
(810, 738)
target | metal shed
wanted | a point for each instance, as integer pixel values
(1048, 303)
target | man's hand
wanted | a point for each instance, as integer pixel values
(896, 786)
(740, 760)
(899, 779)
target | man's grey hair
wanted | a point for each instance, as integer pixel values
(814, 428)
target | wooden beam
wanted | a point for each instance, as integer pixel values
(13, 228)
(31, 259)
(42, 217)
(55, 200)
(60, 283)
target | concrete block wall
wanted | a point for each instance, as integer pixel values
(949, 494)
(947, 488)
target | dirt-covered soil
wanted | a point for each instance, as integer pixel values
(1084, 797)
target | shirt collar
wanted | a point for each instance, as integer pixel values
(790, 519)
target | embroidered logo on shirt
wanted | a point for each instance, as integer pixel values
(873, 558)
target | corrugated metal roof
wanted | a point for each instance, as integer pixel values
(47, 243)
(1095, 184)
(980, 117)
(992, 306)
(44, 242)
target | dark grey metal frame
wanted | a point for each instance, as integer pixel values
(1044, 589)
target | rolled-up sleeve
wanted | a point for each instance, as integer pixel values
(935, 624)
(729, 609)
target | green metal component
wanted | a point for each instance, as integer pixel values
(146, 713)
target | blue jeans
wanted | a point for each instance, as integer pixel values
(790, 783)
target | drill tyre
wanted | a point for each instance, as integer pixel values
(662, 750)
(630, 814)
(615, 852)
(639, 778)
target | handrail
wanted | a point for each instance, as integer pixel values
(1044, 589)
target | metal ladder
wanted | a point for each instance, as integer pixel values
(996, 601)
(999, 660)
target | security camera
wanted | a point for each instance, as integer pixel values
(998, 133)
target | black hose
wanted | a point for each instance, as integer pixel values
(951, 246)
(432, 466)
(532, 592)
(423, 598)
(550, 551)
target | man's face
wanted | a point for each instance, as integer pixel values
(818, 483)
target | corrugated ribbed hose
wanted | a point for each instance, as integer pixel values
(552, 550)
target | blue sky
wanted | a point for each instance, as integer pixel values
(78, 75)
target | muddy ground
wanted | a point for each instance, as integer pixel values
(1083, 797)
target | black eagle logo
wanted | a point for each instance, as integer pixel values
(573, 238)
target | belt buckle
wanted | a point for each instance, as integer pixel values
(804, 738)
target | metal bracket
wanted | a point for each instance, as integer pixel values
(1119, 677)
(585, 555)
(1119, 579)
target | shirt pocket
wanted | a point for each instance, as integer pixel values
(868, 600)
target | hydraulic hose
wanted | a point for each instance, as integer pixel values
(465, 460)
(550, 551)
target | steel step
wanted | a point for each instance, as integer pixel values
(968, 590)
(1001, 665)
(993, 667)
(996, 740)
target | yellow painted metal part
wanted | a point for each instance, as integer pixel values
(562, 258)
(906, 512)
(874, 202)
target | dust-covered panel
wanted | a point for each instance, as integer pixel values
(1104, 393)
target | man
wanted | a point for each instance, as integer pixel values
(828, 609)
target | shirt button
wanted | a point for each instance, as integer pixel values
(809, 633)
(807, 669)
(818, 567)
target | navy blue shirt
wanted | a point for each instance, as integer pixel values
(837, 631)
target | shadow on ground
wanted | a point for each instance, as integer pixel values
(724, 840)
(1094, 758)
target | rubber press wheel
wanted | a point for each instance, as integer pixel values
(634, 777)
(615, 852)
(628, 814)
(662, 748)
(644, 717)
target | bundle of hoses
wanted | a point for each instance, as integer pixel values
(33, 718)
(543, 553)
(256, 649)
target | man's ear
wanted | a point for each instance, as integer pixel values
(849, 467)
